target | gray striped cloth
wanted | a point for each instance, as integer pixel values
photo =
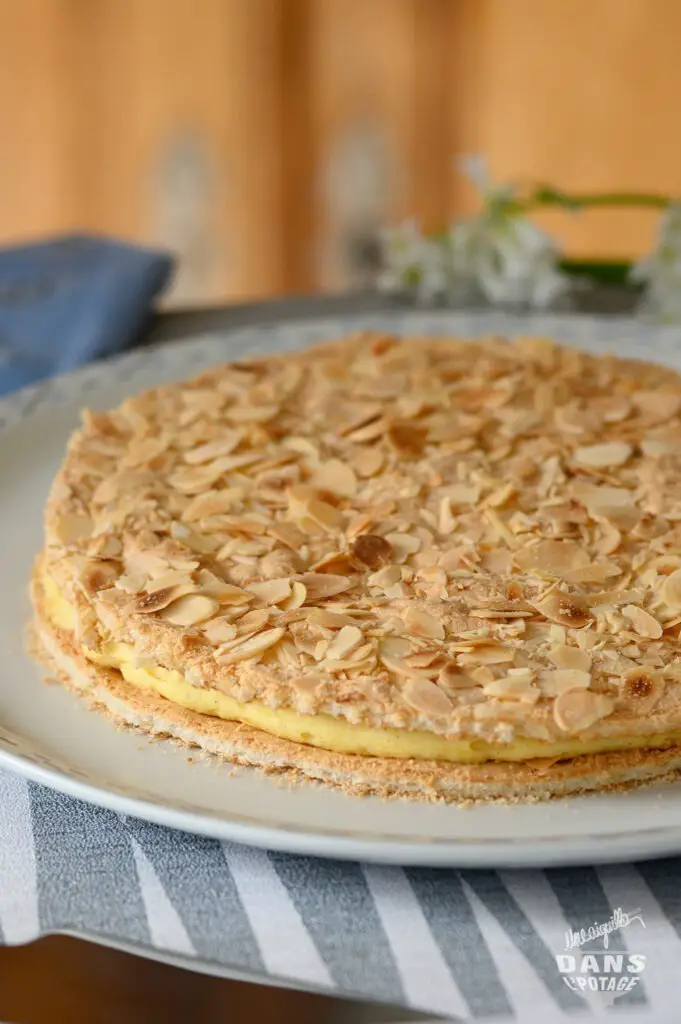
(466, 944)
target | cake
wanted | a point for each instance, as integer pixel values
(436, 568)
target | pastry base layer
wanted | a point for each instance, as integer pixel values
(434, 781)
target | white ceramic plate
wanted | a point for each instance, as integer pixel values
(50, 736)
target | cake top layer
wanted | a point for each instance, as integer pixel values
(477, 538)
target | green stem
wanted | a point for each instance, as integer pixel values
(546, 196)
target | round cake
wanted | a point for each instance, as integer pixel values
(433, 568)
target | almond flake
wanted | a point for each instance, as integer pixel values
(194, 541)
(368, 462)
(71, 529)
(322, 585)
(425, 696)
(190, 609)
(514, 688)
(566, 657)
(271, 591)
(345, 641)
(603, 456)
(219, 631)
(643, 622)
(212, 503)
(297, 598)
(576, 710)
(563, 608)
(560, 680)
(671, 589)
(642, 688)
(224, 445)
(422, 623)
(250, 648)
(406, 438)
(225, 593)
(551, 556)
(337, 477)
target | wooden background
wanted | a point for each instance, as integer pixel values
(261, 139)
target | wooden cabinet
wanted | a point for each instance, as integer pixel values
(264, 140)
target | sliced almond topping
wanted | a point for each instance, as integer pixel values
(661, 405)
(603, 456)
(71, 529)
(191, 609)
(576, 710)
(551, 556)
(250, 648)
(425, 696)
(560, 680)
(671, 589)
(385, 577)
(98, 575)
(641, 689)
(368, 462)
(487, 655)
(514, 688)
(406, 438)
(146, 604)
(422, 623)
(563, 608)
(403, 545)
(563, 656)
(212, 503)
(643, 622)
(271, 591)
(171, 578)
(224, 445)
(371, 550)
(297, 598)
(339, 562)
(345, 641)
(336, 476)
(225, 593)
(219, 631)
(452, 678)
(323, 584)
(194, 541)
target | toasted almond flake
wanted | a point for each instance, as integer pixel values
(72, 529)
(661, 405)
(425, 696)
(371, 550)
(422, 623)
(251, 413)
(403, 545)
(225, 593)
(194, 541)
(578, 709)
(671, 589)
(484, 655)
(559, 680)
(566, 609)
(308, 683)
(212, 503)
(603, 456)
(223, 445)
(368, 462)
(551, 556)
(132, 582)
(599, 572)
(271, 591)
(321, 585)
(341, 563)
(297, 597)
(406, 438)
(501, 531)
(510, 687)
(171, 578)
(564, 657)
(643, 622)
(345, 641)
(190, 609)
(446, 523)
(336, 476)
(642, 688)
(219, 631)
(385, 577)
(250, 648)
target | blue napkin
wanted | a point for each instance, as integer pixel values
(71, 300)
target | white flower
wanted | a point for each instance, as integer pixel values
(413, 262)
(661, 270)
(504, 255)
(498, 253)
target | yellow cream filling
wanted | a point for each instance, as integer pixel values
(325, 731)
